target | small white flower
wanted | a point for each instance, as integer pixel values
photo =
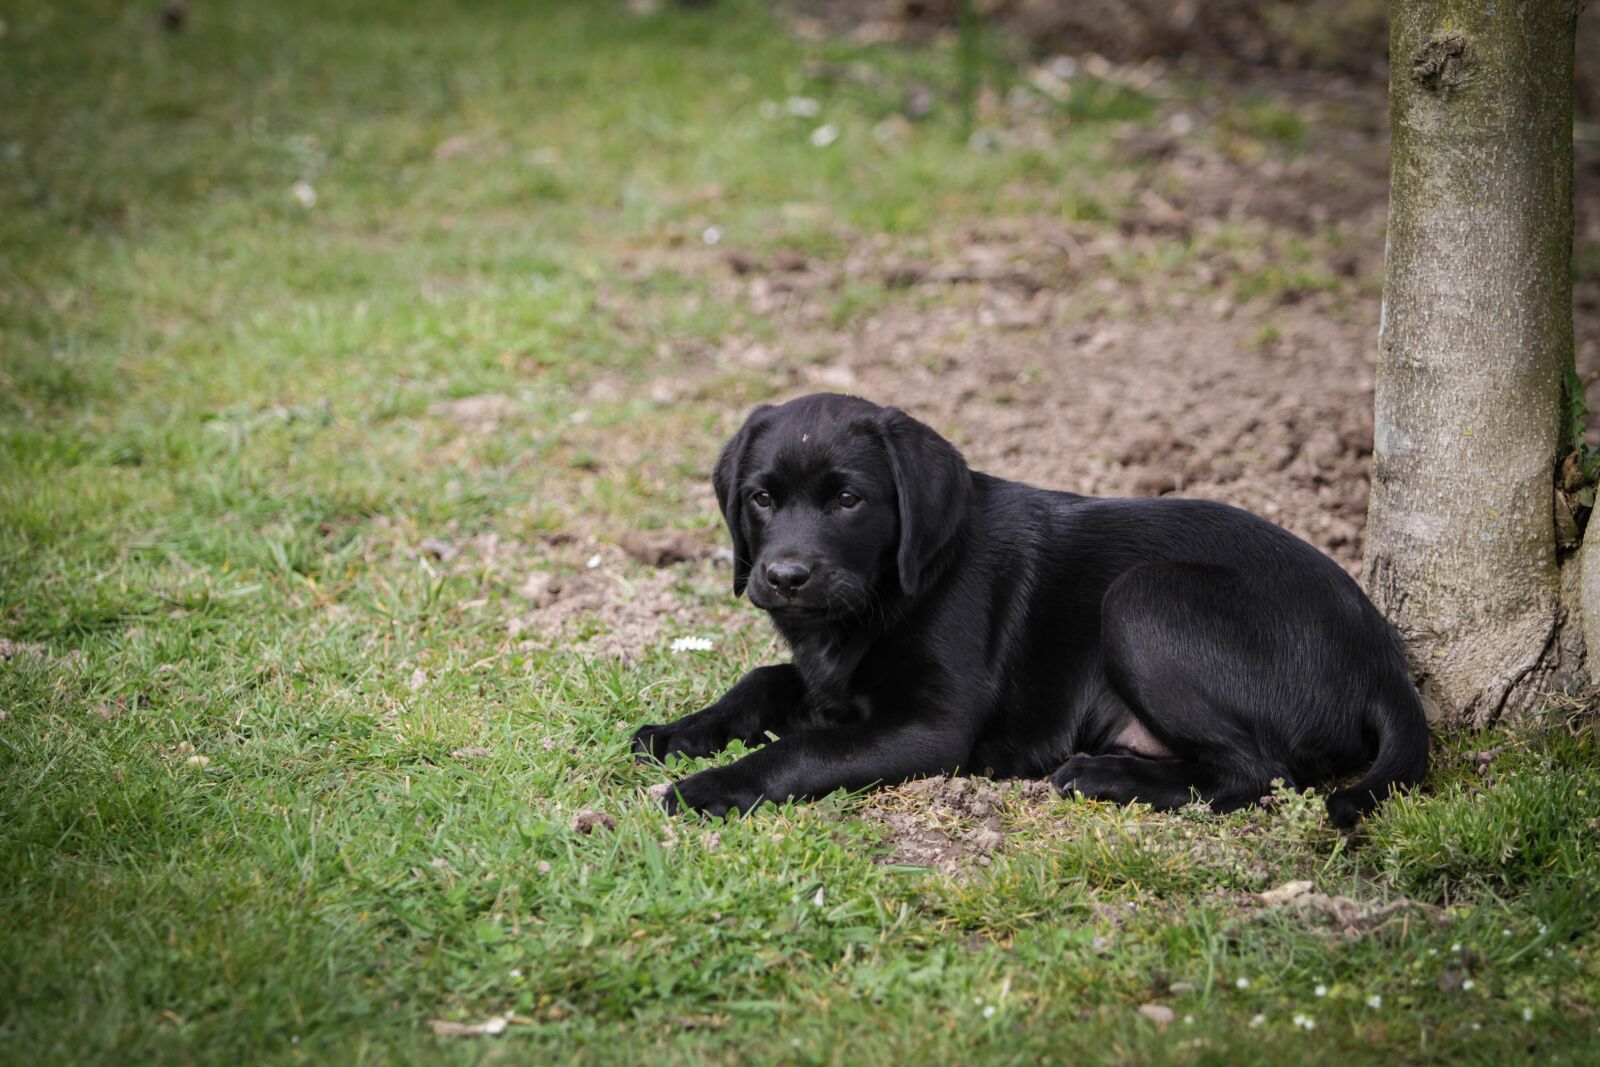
(803, 106)
(1527, 1015)
(692, 644)
(1468, 984)
(1543, 929)
(516, 972)
(1321, 990)
(1188, 1020)
(1310, 1024)
(712, 235)
(1375, 1001)
(1257, 1020)
(593, 561)
(824, 135)
(988, 1012)
(303, 193)
(1242, 982)
(977, 1000)
(1456, 947)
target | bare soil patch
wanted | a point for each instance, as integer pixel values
(1043, 370)
(951, 823)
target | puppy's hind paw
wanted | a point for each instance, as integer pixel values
(1065, 778)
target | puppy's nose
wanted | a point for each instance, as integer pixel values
(786, 575)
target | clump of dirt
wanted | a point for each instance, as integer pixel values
(27, 651)
(478, 414)
(20, 650)
(950, 823)
(1351, 920)
(119, 706)
(663, 548)
(587, 821)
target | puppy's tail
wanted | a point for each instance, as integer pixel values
(1402, 759)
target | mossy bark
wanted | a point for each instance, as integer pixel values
(1476, 332)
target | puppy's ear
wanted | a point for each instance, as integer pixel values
(725, 479)
(933, 484)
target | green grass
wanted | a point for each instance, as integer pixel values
(274, 787)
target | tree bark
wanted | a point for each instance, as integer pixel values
(1475, 334)
(1589, 591)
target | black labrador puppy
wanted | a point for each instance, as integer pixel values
(946, 621)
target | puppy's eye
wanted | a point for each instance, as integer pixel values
(846, 499)
(761, 498)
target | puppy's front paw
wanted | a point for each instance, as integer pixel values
(714, 792)
(656, 741)
(650, 742)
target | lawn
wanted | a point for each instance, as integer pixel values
(333, 337)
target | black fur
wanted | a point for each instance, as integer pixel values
(946, 621)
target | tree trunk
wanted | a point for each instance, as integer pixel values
(1476, 332)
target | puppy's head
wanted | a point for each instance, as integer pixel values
(833, 501)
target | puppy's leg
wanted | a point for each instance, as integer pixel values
(813, 763)
(1209, 675)
(765, 699)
